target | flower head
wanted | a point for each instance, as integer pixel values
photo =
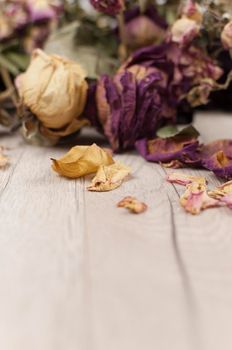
(193, 11)
(184, 30)
(129, 104)
(143, 29)
(54, 89)
(226, 36)
(110, 7)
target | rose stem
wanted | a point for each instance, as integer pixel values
(122, 31)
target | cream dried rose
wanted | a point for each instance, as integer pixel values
(55, 91)
(226, 36)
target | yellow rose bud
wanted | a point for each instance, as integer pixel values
(184, 30)
(55, 91)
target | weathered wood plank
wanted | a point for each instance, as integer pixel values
(78, 273)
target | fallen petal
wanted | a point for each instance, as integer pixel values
(3, 161)
(223, 193)
(109, 177)
(81, 161)
(220, 164)
(133, 205)
(174, 164)
(195, 199)
(184, 179)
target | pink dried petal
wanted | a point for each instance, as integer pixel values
(195, 199)
(184, 179)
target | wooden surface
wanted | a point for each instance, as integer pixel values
(77, 273)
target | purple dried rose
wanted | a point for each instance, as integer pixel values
(109, 7)
(129, 105)
(187, 68)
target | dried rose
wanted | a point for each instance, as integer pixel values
(133, 205)
(193, 11)
(185, 68)
(110, 7)
(143, 29)
(184, 179)
(81, 161)
(195, 199)
(109, 177)
(55, 90)
(129, 105)
(184, 30)
(226, 36)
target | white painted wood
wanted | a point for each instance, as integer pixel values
(78, 273)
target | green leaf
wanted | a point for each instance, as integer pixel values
(173, 131)
(167, 131)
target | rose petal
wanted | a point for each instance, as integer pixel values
(81, 161)
(166, 150)
(174, 164)
(195, 199)
(223, 193)
(109, 177)
(132, 204)
(184, 179)
(220, 164)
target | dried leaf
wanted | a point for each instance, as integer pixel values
(173, 131)
(109, 177)
(133, 205)
(184, 179)
(195, 199)
(81, 161)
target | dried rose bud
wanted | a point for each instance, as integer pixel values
(54, 89)
(226, 36)
(184, 30)
(110, 7)
(193, 11)
(143, 29)
(129, 105)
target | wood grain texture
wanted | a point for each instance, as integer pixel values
(77, 273)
